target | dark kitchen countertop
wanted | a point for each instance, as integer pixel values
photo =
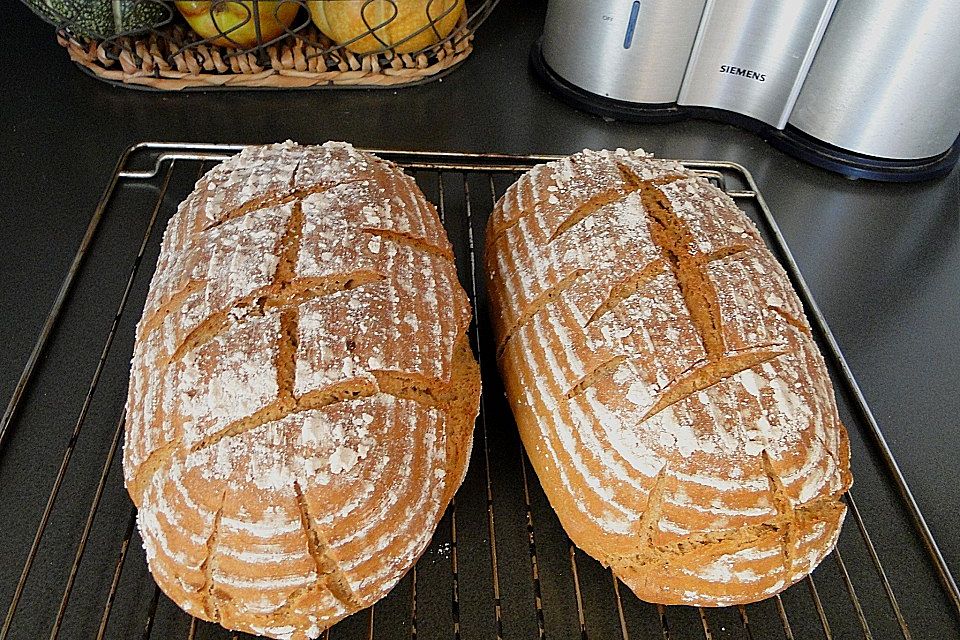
(883, 260)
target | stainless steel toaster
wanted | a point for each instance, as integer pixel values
(868, 88)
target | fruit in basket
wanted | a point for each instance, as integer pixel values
(231, 23)
(402, 25)
(101, 19)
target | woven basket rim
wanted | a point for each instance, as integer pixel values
(148, 72)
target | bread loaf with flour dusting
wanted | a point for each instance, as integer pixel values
(302, 393)
(664, 379)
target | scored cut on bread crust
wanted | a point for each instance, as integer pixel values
(302, 393)
(664, 379)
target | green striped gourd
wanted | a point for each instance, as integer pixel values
(102, 18)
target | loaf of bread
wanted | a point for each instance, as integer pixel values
(302, 394)
(664, 379)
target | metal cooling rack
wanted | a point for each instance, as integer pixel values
(499, 565)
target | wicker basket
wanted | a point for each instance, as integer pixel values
(170, 56)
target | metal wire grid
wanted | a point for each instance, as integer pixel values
(499, 565)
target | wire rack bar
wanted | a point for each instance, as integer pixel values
(704, 624)
(452, 508)
(664, 626)
(117, 570)
(534, 565)
(745, 620)
(887, 587)
(819, 605)
(491, 528)
(576, 589)
(151, 615)
(853, 594)
(413, 605)
(787, 630)
(623, 621)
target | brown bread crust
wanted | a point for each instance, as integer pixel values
(664, 379)
(302, 393)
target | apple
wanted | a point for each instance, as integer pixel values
(230, 23)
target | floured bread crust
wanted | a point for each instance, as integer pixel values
(664, 379)
(302, 393)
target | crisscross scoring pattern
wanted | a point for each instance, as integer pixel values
(664, 379)
(302, 394)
